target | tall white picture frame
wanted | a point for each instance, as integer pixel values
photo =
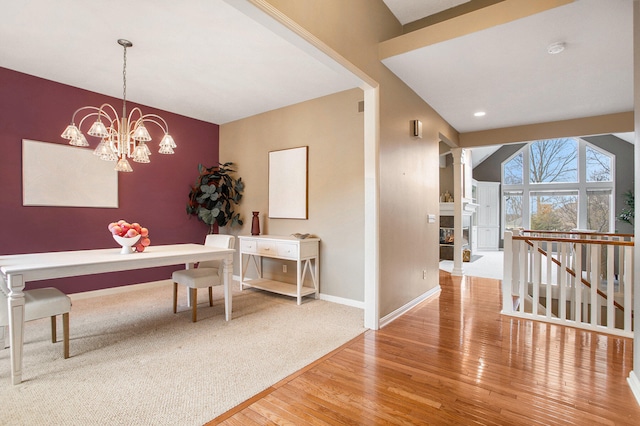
(288, 172)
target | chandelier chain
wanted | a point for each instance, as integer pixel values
(124, 83)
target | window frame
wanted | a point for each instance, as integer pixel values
(582, 186)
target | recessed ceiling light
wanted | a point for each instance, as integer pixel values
(479, 114)
(555, 48)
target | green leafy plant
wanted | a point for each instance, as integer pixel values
(627, 214)
(215, 194)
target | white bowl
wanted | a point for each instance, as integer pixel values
(126, 243)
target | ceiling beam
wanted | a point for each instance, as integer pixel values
(602, 124)
(490, 16)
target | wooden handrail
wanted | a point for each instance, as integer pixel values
(569, 270)
(574, 240)
(578, 233)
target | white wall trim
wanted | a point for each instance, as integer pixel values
(118, 290)
(342, 301)
(634, 384)
(388, 319)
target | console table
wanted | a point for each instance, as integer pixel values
(19, 269)
(305, 252)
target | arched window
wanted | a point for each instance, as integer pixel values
(559, 184)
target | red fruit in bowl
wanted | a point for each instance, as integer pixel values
(111, 225)
(145, 241)
(144, 232)
(131, 233)
(116, 230)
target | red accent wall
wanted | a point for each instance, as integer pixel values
(155, 194)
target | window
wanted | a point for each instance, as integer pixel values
(598, 166)
(513, 209)
(598, 209)
(559, 184)
(554, 160)
(513, 171)
(552, 211)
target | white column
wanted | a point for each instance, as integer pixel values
(507, 274)
(634, 375)
(458, 192)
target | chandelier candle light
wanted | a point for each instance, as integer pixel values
(123, 137)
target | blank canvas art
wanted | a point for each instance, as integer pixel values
(288, 183)
(66, 176)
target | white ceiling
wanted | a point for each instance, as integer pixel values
(411, 10)
(215, 60)
(205, 59)
(507, 72)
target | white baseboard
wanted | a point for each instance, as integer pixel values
(117, 290)
(388, 319)
(342, 301)
(634, 384)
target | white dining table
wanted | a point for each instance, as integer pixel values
(17, 270)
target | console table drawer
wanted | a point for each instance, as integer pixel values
(288, 250)
(267, 248)
(248, 246)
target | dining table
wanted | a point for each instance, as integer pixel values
(19, 269)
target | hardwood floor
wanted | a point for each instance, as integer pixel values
(455, 360)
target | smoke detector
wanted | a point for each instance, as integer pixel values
(555, 48)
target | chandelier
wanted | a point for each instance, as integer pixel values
(121, 138)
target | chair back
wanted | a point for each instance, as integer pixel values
(220, 241)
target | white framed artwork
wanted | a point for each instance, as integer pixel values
(66, 176)
(288, 170)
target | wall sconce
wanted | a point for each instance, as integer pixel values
(416, 128)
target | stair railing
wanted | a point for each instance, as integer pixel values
(577, 279)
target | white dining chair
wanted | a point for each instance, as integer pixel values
(206, 275)
(40, 303)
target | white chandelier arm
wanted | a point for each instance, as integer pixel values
(144, 118)
(163, 125)
(113, 110)
(100, 112)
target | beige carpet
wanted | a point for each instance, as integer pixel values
(134, 362)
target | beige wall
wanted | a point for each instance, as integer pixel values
(333, 130)
(408, 166)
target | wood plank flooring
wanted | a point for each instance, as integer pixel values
(454, 360)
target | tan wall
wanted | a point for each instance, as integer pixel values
(333, 129)
(409, 170)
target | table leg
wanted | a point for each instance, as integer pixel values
(15, 304)
(316, 277)
(227, 268)
(299, 276)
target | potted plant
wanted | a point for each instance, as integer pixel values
(627, 214)
(215, 194)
